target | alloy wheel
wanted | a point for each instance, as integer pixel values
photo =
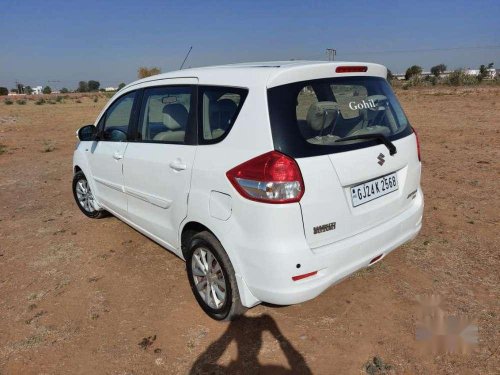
(208, 278)
(84, 195)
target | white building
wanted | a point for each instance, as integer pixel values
(471, 72)
(110, 89)
(401, 76)
(491, 73)
(36, 90)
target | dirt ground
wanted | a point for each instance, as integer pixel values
(82, 296)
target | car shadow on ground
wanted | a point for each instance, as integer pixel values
(247, 332)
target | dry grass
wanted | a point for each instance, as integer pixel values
(48, 146)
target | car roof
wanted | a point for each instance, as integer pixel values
(265, 74)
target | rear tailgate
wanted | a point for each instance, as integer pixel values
(339, 130)
(328, 180)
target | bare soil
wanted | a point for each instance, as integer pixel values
(82, 296)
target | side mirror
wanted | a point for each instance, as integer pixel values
(87, 133)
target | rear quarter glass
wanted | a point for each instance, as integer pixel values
(309, 118)
(218, 110)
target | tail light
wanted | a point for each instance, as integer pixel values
(351, 69)
(270, 178)
(418, 145)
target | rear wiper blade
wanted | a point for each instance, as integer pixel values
(378, 136)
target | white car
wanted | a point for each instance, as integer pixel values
(272, 180)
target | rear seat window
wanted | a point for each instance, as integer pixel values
(164, 114)
(219, 108)
(311, 118)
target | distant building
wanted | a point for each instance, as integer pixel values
(471, 72)
(445, 74)
(110, 89)
(491, 73)
(402, 76)
(35, 90)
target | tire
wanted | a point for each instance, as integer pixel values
(218, 279)
(84, 198)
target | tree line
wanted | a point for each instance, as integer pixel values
(412, 73)
(438, 70)
(83, 86)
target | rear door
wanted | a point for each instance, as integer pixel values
(158, 164)
(354, 184)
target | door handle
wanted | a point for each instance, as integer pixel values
(117, 156)
(177, 165)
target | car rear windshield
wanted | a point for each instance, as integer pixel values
(312, 118)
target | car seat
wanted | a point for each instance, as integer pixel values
(175, 117)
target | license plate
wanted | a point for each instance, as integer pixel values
(374, 189)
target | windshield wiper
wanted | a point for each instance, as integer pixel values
(378, 136)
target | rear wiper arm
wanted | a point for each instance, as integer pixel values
(378, 136)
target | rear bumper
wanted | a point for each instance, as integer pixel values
(273, 283)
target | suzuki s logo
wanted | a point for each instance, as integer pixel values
(381, 159)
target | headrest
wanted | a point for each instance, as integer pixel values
(221, 113)
(225, 105)
(380, 102)
(175, 116)
(321, 114)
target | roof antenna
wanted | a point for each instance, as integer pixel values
(185, 58)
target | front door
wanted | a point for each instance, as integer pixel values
(158, 164)
(106, 154)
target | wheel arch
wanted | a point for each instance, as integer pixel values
(81, 165)
(189, 229)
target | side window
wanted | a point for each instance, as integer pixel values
(164, 114)
(219, 108)
(117, 119)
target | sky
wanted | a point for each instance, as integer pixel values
(62, 42)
